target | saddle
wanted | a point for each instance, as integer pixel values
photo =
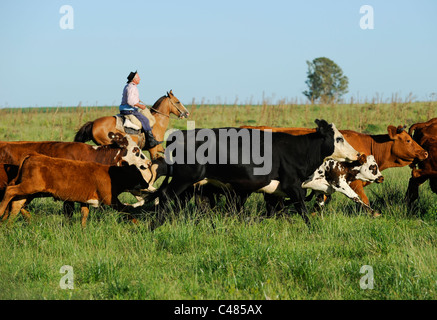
(130, 124)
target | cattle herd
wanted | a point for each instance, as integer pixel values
(287, 162)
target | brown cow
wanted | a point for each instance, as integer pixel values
(425, 134)
(418, 130)
(122, 149)
(394, 149)
(89, 183)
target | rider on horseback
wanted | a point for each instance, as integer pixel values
(129, 104)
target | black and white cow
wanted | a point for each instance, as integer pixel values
(334, 176)
(292, 160)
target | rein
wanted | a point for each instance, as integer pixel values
(160, 112)
(168, 116)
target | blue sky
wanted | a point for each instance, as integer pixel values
(215, 51)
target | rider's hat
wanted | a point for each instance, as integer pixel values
(131, 76)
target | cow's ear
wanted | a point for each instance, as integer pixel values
(392, 132)
(322, 126)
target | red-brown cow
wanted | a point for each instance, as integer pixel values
(394, 149)
(122, 149)
(425, 134)
(89, 183)
(418, 130)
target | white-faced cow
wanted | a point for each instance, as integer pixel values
(334, 176)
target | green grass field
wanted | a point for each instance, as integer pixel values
(222, 255)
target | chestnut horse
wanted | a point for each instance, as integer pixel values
(98, 130)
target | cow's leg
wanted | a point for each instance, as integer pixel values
(122, 208)
(10, 192)
(413, 189)
(185, 196)
(68, 209)
(320, 203)
(297, 196)
(140, 196)
(273, 204)
(358, 187)
(173, 191)
(203, 198)
(16, 205)
(84, 209)
(240, 201)
(208, 193)
(344, 188)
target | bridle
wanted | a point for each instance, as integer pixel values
(168, 116)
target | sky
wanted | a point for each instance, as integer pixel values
(211, 51)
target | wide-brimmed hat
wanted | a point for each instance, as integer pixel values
(131, 76)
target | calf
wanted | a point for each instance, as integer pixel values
(68, 180)
(334, 176)
(427, 169)
(293, 159)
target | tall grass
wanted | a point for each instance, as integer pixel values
(220, 254)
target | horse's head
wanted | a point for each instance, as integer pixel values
(176, 107)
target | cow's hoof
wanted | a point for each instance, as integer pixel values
(376, 215)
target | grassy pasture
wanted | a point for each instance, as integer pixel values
(221, 255)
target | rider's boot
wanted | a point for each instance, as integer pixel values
(150, 140)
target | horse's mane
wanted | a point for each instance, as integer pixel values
(157, 103)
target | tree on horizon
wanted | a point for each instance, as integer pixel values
(326, 81)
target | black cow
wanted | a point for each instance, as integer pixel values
(293, 160)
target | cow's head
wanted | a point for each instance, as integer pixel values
(369, 170)
(131, 154)
(343, 151)
(404, 149)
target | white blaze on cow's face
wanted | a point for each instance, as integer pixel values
(369, 171)
(136, 157)
(343, 151)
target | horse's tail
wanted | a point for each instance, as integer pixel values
(85, 133)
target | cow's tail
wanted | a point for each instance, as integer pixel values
(19, 173)
(85, 133)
